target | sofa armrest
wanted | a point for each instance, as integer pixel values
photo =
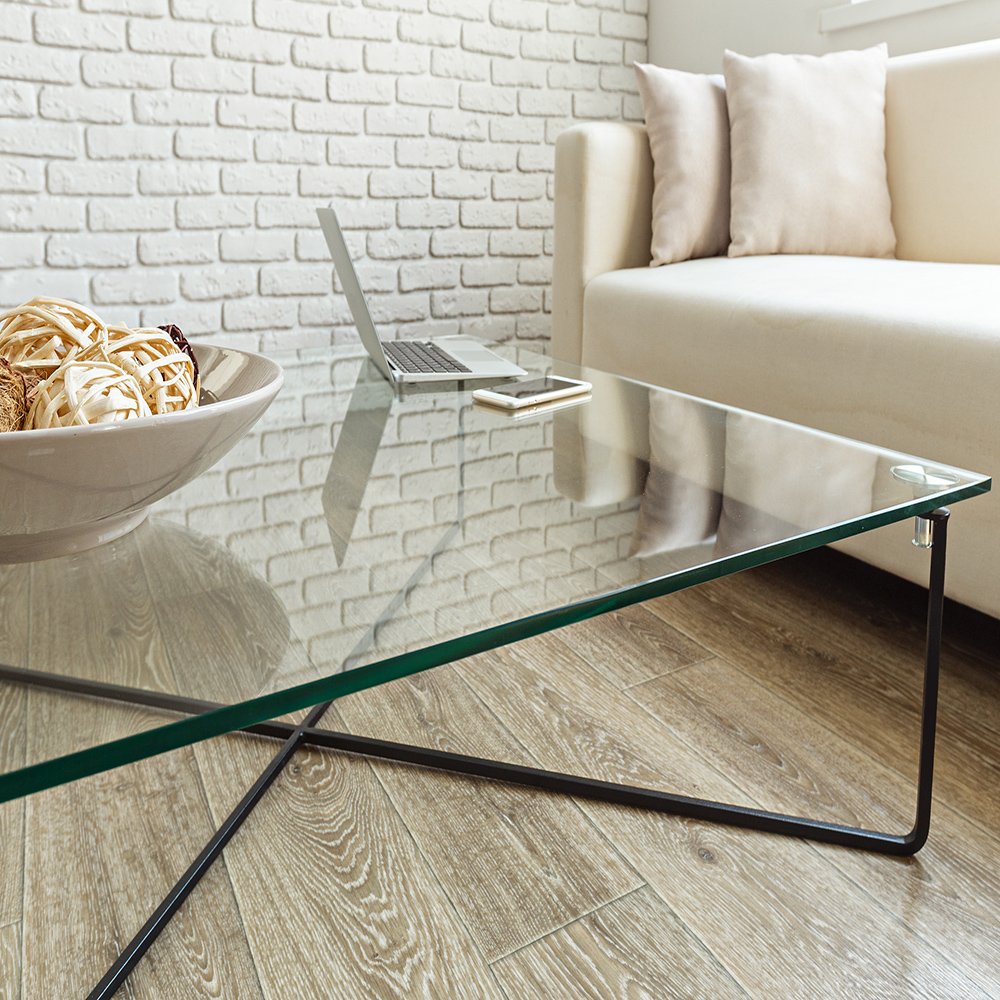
(603, 217)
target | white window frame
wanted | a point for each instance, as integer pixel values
(857, 12)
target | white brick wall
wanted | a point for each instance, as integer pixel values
(162, 159)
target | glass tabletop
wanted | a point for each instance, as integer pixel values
(361, 532)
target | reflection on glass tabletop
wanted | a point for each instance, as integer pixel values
(361, 532)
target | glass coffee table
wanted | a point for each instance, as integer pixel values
(362, 533)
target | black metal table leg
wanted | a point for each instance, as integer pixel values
(307, 733)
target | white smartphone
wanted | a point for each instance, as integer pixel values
(532, 392)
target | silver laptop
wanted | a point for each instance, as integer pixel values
(444, 359)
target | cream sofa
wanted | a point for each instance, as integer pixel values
(902, 353)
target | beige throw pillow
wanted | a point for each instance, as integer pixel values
(807, 140)
(689, 138)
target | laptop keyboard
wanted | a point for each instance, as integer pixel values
(421, 356)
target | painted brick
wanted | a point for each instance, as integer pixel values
(18, 286)
(544, 103)
(599, 105)
(394, 245)
(283, 212)
(395, 58)
(515, 300)
(193, 318)
(577, 76)
(274, 81)
(332, 182)
(488, 273)
(515, 243)
(139, 8)
(550, 48)
(273, 148)
(206, 284)
(426, 214)
(111, 142)
(327, 118)
(486, 98)
(460, 184)
(31, 138)
(21, 250)
(488, 215)
(457, 125)
(459, 65)
(17, 100)
(254, 246)
(173, 109)
(618, 25)
(131, 71)
(86, 178)
(295, 279)
(281, 15)
(429, 29)
(531, 158)
(426, 275)
(134, 287)
(520, 130)
(535, 272)
(471, 10)
(598, 50)
(618, 78)
(327, 53)
(518, 14)
(124, 214)
(359, 88)
(363, 23)
(489, 39)
(456, 243)
(21, 175)
(518, 187)
(399, 184)
(427, 91)
(250, 45)
(515, 73)
(214, 213)
(71, 104)
(20, 62)
(360, 152)
(212, 144)
(253, 112)
(258, 179)
(211, 75)
(424, 153)
(396, 121)
(78, 31)
(15, 23)
(254, 314)
(178, 248)
(574, 20)
(212, 11)
(487, 156)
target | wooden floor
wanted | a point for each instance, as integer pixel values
(793, 687)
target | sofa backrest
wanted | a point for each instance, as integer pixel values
(943, 153)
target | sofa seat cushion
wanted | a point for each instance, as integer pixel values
(902, 354)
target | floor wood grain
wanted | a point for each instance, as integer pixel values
(336, 899)
(794, 686)
(517, 863)
(632, 949)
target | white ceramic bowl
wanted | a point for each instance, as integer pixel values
(70, 488)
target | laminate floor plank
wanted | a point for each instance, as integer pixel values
(336, 899)
(872, 699)
(516, 863)
(779, 917)
(101, 854)
(635, 948)
(949, 894)
(10, 961)
(631, 646)
(13, 699)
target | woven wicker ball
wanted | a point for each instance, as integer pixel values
(85, 392)
(44, 331)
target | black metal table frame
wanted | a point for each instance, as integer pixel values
(308, 733)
